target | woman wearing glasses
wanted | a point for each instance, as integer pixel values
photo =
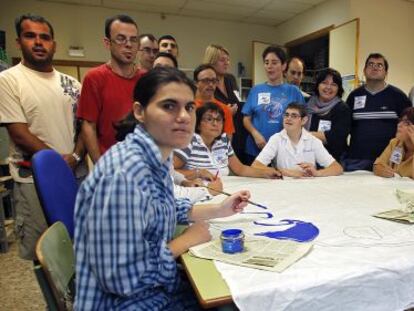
(210, 154)
(329, 117)
(294, 151)
(397, 158)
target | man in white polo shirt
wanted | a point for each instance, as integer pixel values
(294, 151)
(37, 107)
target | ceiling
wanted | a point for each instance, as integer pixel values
(261, 12)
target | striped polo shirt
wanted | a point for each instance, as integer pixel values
(197, 155)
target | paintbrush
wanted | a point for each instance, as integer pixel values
(229, 194)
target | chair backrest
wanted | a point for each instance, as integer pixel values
(55, 253)
(56, 187)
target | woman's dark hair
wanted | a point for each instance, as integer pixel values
(208, 106)
(299, 107)
(145, 89)
(336, 77)
(278, 51)
(409, 114)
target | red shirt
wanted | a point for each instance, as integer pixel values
(228, 126)
(105, 99)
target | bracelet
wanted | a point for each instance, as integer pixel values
(76, 157)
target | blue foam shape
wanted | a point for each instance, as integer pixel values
(301, 231)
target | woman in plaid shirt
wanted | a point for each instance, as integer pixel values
(126, 214)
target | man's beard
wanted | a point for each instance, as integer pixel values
(28, 57)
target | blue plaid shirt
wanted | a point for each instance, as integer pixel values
(125, 216)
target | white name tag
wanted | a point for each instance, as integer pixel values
(359, 102)
(263, 99)
(396, 155)
(324, 125)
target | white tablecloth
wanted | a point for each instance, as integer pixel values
(358, 262)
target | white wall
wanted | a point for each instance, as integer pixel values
(332, 12)
(385, 26)
(84, 26)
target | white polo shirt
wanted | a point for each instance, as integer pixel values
(285, 155)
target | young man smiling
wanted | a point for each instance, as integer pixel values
(294, 151)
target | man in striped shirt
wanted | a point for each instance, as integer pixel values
(376, 107)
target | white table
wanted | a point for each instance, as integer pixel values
(358, 262)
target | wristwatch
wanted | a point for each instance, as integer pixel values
(76, 157)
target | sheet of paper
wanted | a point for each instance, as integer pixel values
(259, 253)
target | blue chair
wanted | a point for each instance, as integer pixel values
(56, 187)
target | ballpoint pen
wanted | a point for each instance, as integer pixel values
(229, 194)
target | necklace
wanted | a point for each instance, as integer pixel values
(121, 74)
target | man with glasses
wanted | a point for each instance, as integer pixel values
(107, 89)
(148, 49)
(295, 73)
(376, 107)
(206, 81)
(168, 44)
(294, 151)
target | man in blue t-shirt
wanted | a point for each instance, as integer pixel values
(263, 111)
(376, 107)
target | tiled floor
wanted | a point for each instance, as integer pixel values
(19, 290)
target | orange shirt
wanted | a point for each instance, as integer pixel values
(228, 126)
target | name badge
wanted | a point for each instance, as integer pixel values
(263, 99)
(396, 155)
(324, 125)
(359, 102)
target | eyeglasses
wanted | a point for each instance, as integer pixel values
(210, 119)
(293, 116)
(375, 65)
(405, 122)
(207, 81)
(149, 50)
(121, 40)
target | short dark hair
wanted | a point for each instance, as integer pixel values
(377, 55)
(167, 55)
(277, 50)
(145, 89)
(299, 59)
(409, 113)
(201, 68)
(208, 106)
(298, 106)
(336, 77)
(34, 18)
(166, 37)
(150, 36)
(122, 18)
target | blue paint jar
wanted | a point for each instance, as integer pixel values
(232, 241)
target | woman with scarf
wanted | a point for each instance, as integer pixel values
(329, 117)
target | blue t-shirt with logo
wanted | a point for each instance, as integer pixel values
(266, 105)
